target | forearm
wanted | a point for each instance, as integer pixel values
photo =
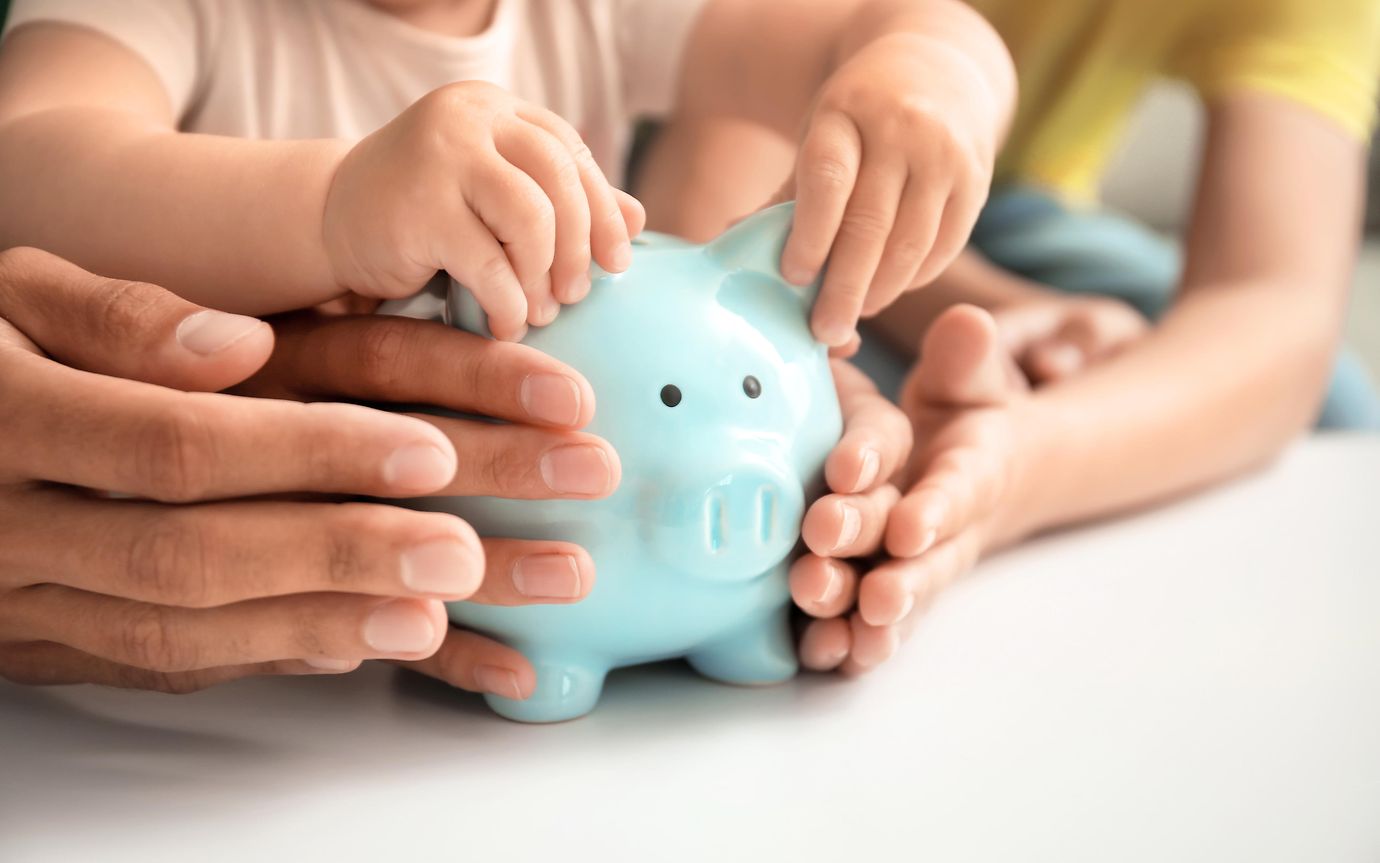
(1230, 376)
(225, 222)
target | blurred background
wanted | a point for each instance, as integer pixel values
(1153, 180)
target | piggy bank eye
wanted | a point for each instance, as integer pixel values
(670, 395)
(752, 387)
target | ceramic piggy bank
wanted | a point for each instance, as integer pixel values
(722, 409)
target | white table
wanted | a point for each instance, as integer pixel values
(1196, 683)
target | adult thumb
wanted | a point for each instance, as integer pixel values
(127, 329)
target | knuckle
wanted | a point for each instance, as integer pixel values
(494, 271)
(174, 453)
(346, 560)
(866, 223)
(829, 172)
(119, 308)
(169, 561)
(381, 354)
(168, 684)
(148, 641)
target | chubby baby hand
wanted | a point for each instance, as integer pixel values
(892, 172)
(502, 194)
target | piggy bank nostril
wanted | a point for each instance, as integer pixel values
(715, 521)
(766, 512)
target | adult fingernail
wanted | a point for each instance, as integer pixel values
(325, 663)
(209, 332)
(833, 585)
(869, 468)
(547, 576)
(926, 540)
(444, 567)
(498, 681)
(419, 467)
(850, 526)
(399, 627)
(551, 399)
(578, 469)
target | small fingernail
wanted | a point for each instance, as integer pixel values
(833, 585)
(325, 663)
(209, 332)
(868, 470)
(835, 334)
(580, 288)
(441, 566)
(399, 627)
(419, 467)
(551, 399)
(498, 681)
(850, 527)
(796, 274)
(621, 258)
(577, 469)
(550, 307)
(547, 576)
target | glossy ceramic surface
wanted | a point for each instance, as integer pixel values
(722, 409)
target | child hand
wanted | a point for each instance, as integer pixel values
(500, 193)
(893, 169)
(963, 400)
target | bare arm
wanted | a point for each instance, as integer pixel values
(891, 110)
(1238, 367)
(90, 154)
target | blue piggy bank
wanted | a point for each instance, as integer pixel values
(722, 409)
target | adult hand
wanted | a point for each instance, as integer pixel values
(850, 521)
(537, 453)
(191, 576)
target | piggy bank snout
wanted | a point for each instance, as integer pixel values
(736, 526)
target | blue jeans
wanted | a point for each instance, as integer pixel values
(1032, 234)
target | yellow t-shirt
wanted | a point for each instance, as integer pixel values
(1083, 65)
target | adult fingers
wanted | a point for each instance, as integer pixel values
(525, 462)
(824, 644)
(123, 436)
(401, 360)
(848, 525)
(43, 663)
(877, 437)
(197, 556)
(826, 171)
(891, 592)
(330, 628)
(521, 572)
(959, 486)
(544, 158)
(614, 218)
(823, 587)
(126, 329)
(863, 232)
(962, 361)
(470, 661)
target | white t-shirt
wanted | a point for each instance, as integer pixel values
(293, 69)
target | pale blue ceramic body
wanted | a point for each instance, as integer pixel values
(691, 551)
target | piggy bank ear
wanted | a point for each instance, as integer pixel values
(754, 245)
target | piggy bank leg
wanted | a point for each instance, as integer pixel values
(566, 689)
(761, 652)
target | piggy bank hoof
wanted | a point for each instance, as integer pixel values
(562, 693)
(757, 656)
